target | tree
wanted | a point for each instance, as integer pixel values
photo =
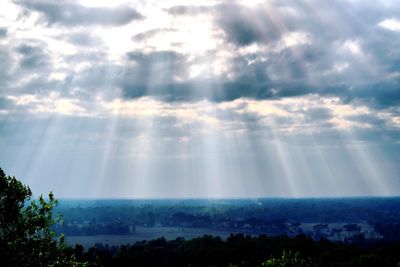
(289, 259)
(26, 235)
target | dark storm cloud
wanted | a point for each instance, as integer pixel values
(69, 13)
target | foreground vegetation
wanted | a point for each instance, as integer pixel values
(27, 238)
(240, 250)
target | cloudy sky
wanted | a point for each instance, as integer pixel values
(201, 98)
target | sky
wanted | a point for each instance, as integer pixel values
(201, 99)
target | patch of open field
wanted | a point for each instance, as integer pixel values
(146, 233)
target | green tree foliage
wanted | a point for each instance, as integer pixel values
(26, 235)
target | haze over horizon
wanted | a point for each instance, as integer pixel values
(213, 98)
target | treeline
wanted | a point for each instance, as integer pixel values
(150, 212)
(241, 250)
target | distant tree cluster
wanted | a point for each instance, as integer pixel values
(269, 216)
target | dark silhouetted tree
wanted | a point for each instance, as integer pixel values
(26, 235)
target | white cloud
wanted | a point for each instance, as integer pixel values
(50, 105)
(353, 47)
(294, 39)
(390, 24)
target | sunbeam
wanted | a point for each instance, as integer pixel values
(171, 99)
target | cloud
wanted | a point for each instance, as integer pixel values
(5, 65)
(6, 105)
(390, 24)
(70, 13)
(298, 51)
(269, 50)
(190, 91)
(318, 114)
(152, 74)
(3, 32)
(266, 51)
(244, 26)
(252, 81)
(150, 33)
(84, 39)
(188, 10)
(32, 56)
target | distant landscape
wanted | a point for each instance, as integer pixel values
(121, 222)
(196, 232)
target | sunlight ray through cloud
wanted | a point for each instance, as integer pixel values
(152, 99)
